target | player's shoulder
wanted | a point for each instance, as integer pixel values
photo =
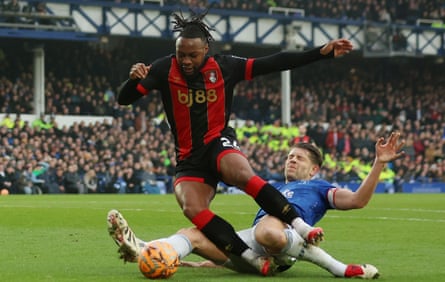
(161, 66)
(228, 58)
(279, 185)
(164, 60)
(308, 182)
(321, 182)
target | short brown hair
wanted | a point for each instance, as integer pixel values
(314, 153)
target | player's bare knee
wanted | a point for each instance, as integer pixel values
(191, 211)
(189, 232)
(271, 238)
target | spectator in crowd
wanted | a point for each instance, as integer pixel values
(6, 183)
(40, 9)
(132, 180)
(55, 179)
(7, 121)
(39, 177)
(118, 181)
(40, 123)
(148, 183)
(25, 183)
(104, 178)
(90, 181)
(72, 182)
(12, 6)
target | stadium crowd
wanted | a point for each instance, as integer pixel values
(342, 113)
(340, 105)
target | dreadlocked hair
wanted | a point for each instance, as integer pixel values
(192, 27)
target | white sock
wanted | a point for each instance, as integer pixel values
(249, 255)
(302, 227)
(295, 244)
(321, 258)
(180, 243)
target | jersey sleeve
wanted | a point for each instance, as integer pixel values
(127, 92)
(151, 81)
(327, 191)
(287, 60)
(330, 196)
(238, 68)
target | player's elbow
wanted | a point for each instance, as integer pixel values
(352, 203)
(126, 98)
(121, 100)
(359, 204)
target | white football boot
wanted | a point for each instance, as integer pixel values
(129, 245)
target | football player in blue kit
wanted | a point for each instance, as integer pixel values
(312, 197)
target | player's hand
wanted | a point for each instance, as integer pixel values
(340, 46)
(389, 150)
(139, 71)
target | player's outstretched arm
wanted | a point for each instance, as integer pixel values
(287, 60)
(386, 151)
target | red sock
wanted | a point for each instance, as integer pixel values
(203, 218)
(254, 185)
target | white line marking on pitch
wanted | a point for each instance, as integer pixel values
(388, 218)
(408, 209)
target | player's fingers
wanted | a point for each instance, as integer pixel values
(400, 145)
(133, 71)
(144, 70)
(344, 47)
(400, 155)
(344, 44)
(141, 71)
(393, 138)
(380, 141)
(138, 74)
(390, 140)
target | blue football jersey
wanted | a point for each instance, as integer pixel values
(311, 198)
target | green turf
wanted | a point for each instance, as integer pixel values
(64, 238)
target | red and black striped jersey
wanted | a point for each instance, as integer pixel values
(198, 107)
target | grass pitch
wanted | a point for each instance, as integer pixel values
(64, 238)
